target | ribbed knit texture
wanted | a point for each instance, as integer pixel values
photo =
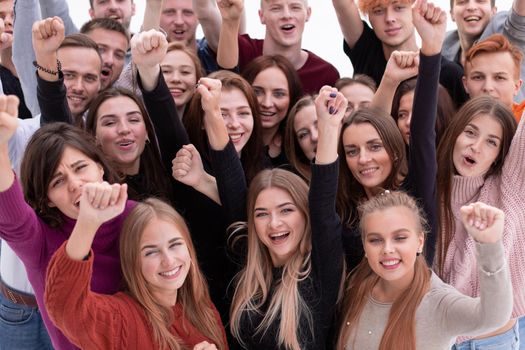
(96, 321)
(506, 192)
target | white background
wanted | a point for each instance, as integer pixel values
(322, 34)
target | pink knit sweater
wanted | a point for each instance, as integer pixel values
(506, 192)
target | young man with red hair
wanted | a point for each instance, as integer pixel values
(492, 67)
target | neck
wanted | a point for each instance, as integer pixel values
(408, 45)
(167, 299)
(293, 53)
(268, 134)
(388, 291)
(7, 60)
(130, 169)
(465, 42)
(180, 110)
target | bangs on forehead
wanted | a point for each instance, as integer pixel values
(365, 6)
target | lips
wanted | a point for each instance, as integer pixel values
(368, 171)
(125, 144)
(392, 31)
(177, 92)
(287, 27)
(279, 237)
(390, 264)
(76, 99)
(236, 137)
(173, 273)
(472, 19)
(469, 160)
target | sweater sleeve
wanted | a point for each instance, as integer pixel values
(513, 172)
(231, 182)
(52, 100)
(463, 315)
(422, 164)
(327, 247)
(21, 228)
(87, 319)
(170, 132)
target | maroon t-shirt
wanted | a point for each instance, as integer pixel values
(314, 74)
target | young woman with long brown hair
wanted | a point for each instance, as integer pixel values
(394, 301)
(480, 158)
(165, 302)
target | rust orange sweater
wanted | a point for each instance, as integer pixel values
(97, 321)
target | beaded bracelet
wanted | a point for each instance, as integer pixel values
(47, 70)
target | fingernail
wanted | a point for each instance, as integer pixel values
(331, 110)
(333, 94)
(197, 85)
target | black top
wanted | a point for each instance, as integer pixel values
(52, 100)
(420, 181)
(368, 58)
(320, 289)
(11, 86)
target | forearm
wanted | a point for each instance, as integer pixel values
(149, 77)
(385, 94)
(349, 20)
(27, 12)
(79, 243)
(208, 187)
(152, 15)
(228, 50)
(327, 144)
(59, 8)
(7, 177)
(216, 130)
(210, 20)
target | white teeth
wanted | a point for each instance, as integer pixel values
(288, 26)
(125, 143)
(235, 137)
(280, 234)
(268, 114)
(78, 99)
(170, 273)
(390, 262)
(472, 18)
(368, 171)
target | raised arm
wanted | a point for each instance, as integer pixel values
(152, 14)
(48, 34)
(148, 49)
(228, 47)
(401, 65)
(430, 22)
(59, 8)
(349, 20)
(327, 248)
(474, 316)
(209, 19)
(8, 125)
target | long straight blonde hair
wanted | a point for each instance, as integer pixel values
(255, 281)
(193, 295)
(400, 332)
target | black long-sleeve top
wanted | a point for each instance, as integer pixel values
(420, 181)
(319, 290)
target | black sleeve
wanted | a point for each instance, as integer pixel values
(171, 134)
(451, 79)
(422, 164)
(367, 55)
(327, 247)
(52, 100)
(231, 182)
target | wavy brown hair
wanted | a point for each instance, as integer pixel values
(193, 295)
(193, 120)
(255, 280)
(42, 157)
(400, 332)
(482, 105)
(351, 193)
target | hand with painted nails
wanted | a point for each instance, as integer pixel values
(430, 22)
(483, 222)
(100, 202)
(148, 48)
(402, 65)
(330, 106)
(8, 117)
(210, 91)
(231, 10)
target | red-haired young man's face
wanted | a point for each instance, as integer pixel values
(494, 74)
(392, 23)
(472, 16)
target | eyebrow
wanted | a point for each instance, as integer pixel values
(367, 142)
(152, 246)
(57, 174)
(279, 206)
(401, 230)
(477, 129)
(107, 116)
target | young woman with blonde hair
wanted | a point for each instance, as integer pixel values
(394, 301)
(164, 302)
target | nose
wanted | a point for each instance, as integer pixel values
(388, 247)
(408, 120)
(174, 76)
(123, 128)
(233, 122)
(287, 13)
(314, 135)
(78, 85)
(266, 100)
(390, 15)
(275, 221)
(167, 259)
(470, 5)
(476, 145)
(74, 183)
(363, 157)
(112, 4)
(488, 85)
(8, 20)
(178, 18)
